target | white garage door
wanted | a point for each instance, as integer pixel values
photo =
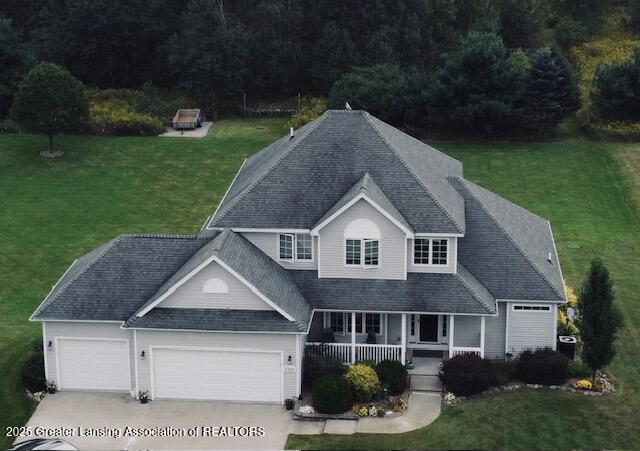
(93, 365)
(229, 375)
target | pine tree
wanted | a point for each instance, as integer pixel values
(550, 93)
(599, 319)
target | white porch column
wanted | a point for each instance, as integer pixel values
(451, 336)
(353, 337)
(403, 339)
(482, 319)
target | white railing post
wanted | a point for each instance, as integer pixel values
(451, 335)
(403, 339)
(482, 328)
(353, 337)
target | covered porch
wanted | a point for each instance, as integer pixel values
(355, 336)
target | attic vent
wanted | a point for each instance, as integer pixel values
(549, 257)
(290, 132)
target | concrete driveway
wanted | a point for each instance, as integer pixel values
(99, 421)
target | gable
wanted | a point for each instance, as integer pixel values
(214, 287)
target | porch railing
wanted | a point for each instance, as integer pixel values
(457, 350)
(363, 351)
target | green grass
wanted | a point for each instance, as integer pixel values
(54, 210)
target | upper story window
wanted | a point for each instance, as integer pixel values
(294, 247)
(428, 251)
(362, 244)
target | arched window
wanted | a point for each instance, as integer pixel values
(215, 286)
(362, 243)
(362, 228)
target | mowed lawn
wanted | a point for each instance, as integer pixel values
(54, 210)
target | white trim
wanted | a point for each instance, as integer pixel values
(506, 329)
(51, 291)
(430, 253)
(298, 364)
(250, 230)
(555, 328)
(214, 349)
(345, 207)
(226, 192)
(436, 235)
(400, 312)
(353, 336)
(135, 362)
(530, 301)
(57, 339)
(201, 266)
(451, 325)
(403, 338)
(555, 251)
(217, 331)
(482, 336)
(45, 348)
(319, 262)
(79, 321)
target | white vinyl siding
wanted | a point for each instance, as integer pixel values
(466, 331)
(392, 246)
(269, 243)
(70, 329)
(280, 343)
(495, 333)
(228, 375)
(191, 294)
(530, 329)
(425, 252)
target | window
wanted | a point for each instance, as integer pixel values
(532, 308)
(444, 325)
(304, 247)
(302, 243)
(371, 252)
(430, 252)
(362, 253)
(336, 322)
(413, 325)
(358, 323)
(286, 247)
(353, 252)
(373, 322)
(215, 286)
(439, 252)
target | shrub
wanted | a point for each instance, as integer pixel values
(115, 117)
(466, 374)
(364, 381)
(393, 374)
(310, 109)
(543, 366)
(616, 90)
(577, 368)
(368, 362)
(502, 373)
(317, 363)
(331, 394)
(32, 371)
(570, 32)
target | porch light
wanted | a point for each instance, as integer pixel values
(289, 360)
(142, 355)
(49, 345)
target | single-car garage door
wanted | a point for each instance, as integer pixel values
(93, 364)
(229, 374)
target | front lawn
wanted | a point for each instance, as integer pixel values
(54, 210)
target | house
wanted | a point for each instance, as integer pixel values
(347, 224)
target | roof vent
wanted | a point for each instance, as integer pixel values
(291, 133)
(347, 106)
(549, 257)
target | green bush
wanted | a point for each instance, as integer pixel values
(310, 109)
(502, 373)
(616, 90)
(544, 366)
(467, 374)
(115, 117)
(570, 32)
(393, 374)
(318, 363)
(368, 362)
(32, 371)
(331, 394)
(577, 368)
(364, 381)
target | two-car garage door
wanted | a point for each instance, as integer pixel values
(220, 374)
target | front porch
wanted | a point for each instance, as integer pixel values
(356, 336)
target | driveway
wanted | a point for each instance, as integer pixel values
(105, 417)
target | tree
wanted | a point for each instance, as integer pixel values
(50, 101)
(550, 93)
(521, 23)
(616, 90)
(599, 319)
(16, 58)
(475, 90)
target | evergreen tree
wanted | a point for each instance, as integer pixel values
(550, 94)
(521, 23)
(50, 101)
(599, 319)
(16, 58)
(616, 90)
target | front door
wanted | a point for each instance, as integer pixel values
(429, 328)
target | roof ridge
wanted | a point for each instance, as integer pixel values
(161, 236)
(110, 245)
(233, 202)
(412, 172)
(504, 231)
(469, 289)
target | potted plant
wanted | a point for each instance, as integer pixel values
(289, 403)
(51, 387)
(143, 396)
(410, 364)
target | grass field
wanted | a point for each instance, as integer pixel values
(52, 211)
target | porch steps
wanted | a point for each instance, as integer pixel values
(425, 383)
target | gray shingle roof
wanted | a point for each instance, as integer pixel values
(506, 247)
(112, 281)
(215, 320)
(369, 187)
(272, 280)
(421, 292)
(294, 182)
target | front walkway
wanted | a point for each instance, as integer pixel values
(111, 413)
